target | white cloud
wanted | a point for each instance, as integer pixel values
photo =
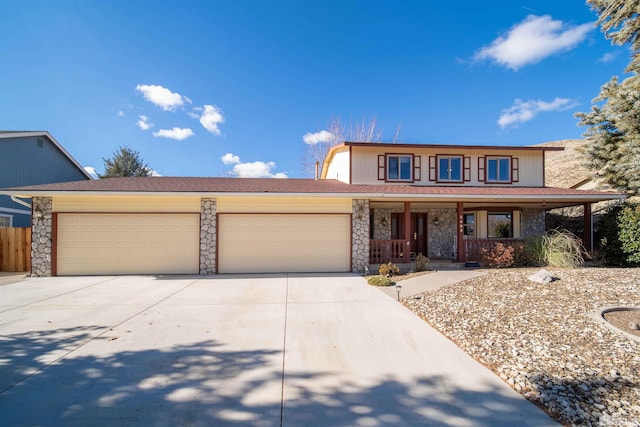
(521, 111)
(120, 113)
(154, 173)
(257, 170)
(319, 137)
(162, 97)
(532, 40)
(251, 169)
(175, 133)
(608, 57)
(91, 171)
(210, 118)
(230, 159)
(143, 123)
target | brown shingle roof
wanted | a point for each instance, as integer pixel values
(283, 186)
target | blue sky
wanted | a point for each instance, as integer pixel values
(231, 88)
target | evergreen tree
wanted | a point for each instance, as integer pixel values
(612, 149)
(125, 163)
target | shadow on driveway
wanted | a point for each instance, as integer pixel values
(204, 384)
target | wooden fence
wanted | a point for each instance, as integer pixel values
(15, 249)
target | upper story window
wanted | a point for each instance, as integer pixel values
(498, 169)
(399, 168)
(450, 168)
(445, 168)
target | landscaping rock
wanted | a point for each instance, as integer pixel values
(543, 341)
(542, 276)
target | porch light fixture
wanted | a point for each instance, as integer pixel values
(436, 221)
(37, 214)
(398, 287)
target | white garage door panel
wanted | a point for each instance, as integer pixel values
(284, 243)
(128, 244)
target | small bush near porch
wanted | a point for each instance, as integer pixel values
(557, 248)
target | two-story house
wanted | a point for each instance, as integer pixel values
(372, 203)
(29, 158)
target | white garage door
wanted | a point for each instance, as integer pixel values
(128, 244)
(277, 243)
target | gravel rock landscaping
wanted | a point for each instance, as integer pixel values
(542, 340)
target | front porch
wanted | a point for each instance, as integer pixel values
(451, 232)
(382, 251)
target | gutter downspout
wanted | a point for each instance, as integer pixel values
(20, 202)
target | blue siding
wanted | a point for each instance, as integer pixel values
(31, 161)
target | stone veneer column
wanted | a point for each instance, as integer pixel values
(208, 236)
(532, 222)
(360, 235)
(41, 236)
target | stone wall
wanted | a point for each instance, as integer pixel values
(533, 222)
(207, 236)
(360, 235)
(382, 224)
(441, 236)
(41, 236)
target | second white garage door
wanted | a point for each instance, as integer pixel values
(277, 243)
(128, 244)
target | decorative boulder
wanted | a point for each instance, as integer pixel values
(542, 276)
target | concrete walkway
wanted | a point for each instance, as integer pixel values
(278, 350)
(427, 282)
(8, 278)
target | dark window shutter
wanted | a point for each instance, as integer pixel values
(515, 173)
(467, 169)
(382, 167)
(481, 166)
(432, 168)
(417, 168)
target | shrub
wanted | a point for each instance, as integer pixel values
(563, 249)
(499, 256)
(629, 231)
(388, 270)
(609, 248)
(421, 263)
(380, 281)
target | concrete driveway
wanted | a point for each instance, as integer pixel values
(292, 350)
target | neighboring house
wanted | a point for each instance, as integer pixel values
(373, 203)
(30, 158)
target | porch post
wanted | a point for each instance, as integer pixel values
(407, 232)
(462, 256)
(588, 228)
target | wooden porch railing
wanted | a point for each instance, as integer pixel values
(473, 247)
(381, 251)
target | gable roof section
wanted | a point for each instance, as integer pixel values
(56, 144)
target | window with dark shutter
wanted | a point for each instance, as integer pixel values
(515, 173)
(381, 167)
(417, 168)
(467, 169)
(432, 168)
